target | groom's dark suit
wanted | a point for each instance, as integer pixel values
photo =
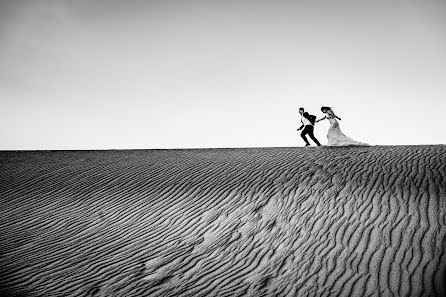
(308, 125)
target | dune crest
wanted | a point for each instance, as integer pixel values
(350, 221)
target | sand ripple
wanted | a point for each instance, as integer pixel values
(353, 221)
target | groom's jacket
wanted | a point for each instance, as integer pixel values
(309, 117)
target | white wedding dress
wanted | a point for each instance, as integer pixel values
(337, 138)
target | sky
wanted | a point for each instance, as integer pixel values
(219, 74)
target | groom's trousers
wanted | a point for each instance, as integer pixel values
(309, 130)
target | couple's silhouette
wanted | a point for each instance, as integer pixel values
(335, 136)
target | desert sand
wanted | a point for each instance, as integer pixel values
(346, 221)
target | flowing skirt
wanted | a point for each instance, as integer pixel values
(337, 138)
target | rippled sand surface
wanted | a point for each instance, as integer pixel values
(350, 221)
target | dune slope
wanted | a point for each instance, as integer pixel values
(352, 221)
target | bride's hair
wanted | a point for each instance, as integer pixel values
(326, 108)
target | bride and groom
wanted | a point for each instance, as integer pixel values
(335, 136)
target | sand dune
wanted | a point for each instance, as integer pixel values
(352, 221)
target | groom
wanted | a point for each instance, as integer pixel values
(308, 126)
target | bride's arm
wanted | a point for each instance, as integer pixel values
(321, 119)
(333, 115)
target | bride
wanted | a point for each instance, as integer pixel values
(335, 136)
